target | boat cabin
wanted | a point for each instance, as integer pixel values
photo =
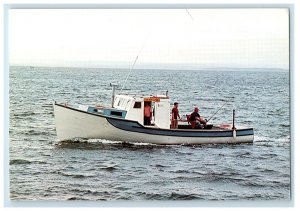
(132, 108)
(135, 105)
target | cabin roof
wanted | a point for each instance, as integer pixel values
(143, 96)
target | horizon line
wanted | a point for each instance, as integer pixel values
(221, 68)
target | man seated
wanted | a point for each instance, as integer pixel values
(196, 120)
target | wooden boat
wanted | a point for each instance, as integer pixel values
(124, 121)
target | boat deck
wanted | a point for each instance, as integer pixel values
(207, 127)
(188, 127)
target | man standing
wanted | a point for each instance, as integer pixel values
(147, 113)
(175, 114)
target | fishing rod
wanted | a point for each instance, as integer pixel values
(219, 109)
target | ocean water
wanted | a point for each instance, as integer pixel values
(43, 168)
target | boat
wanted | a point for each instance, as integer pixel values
(123, 121)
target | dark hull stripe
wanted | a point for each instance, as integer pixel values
(136, 127)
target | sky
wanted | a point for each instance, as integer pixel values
(161, 38)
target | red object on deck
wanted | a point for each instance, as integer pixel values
(225, 126)
(192, 123)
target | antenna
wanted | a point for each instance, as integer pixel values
(189, 14)
(113, 93)
(130, 71)
(135, 61)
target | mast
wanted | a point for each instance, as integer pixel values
(113, 93)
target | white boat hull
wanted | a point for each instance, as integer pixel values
(72, 123)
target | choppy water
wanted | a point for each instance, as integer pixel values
(41, 168)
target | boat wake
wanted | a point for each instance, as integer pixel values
(268, 141)
(101, 144)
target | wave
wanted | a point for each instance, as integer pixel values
(23, 161)
(100, 144)
(75, 175)
(258, 139)
(36, 132)
(19, 161)
(183, 196)
(109, 166)
(159, 166)
(243, 154)
(47, 105)
(169, 196)
(284, 139)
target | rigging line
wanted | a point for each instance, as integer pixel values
(140, 51)
(189, 14)
(130, 71)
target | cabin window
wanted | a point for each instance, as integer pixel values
(119, 102)
(137, 105)
(122, 102)
(128, 103)
(116, 113)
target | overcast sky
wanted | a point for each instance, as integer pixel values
(181, 38)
